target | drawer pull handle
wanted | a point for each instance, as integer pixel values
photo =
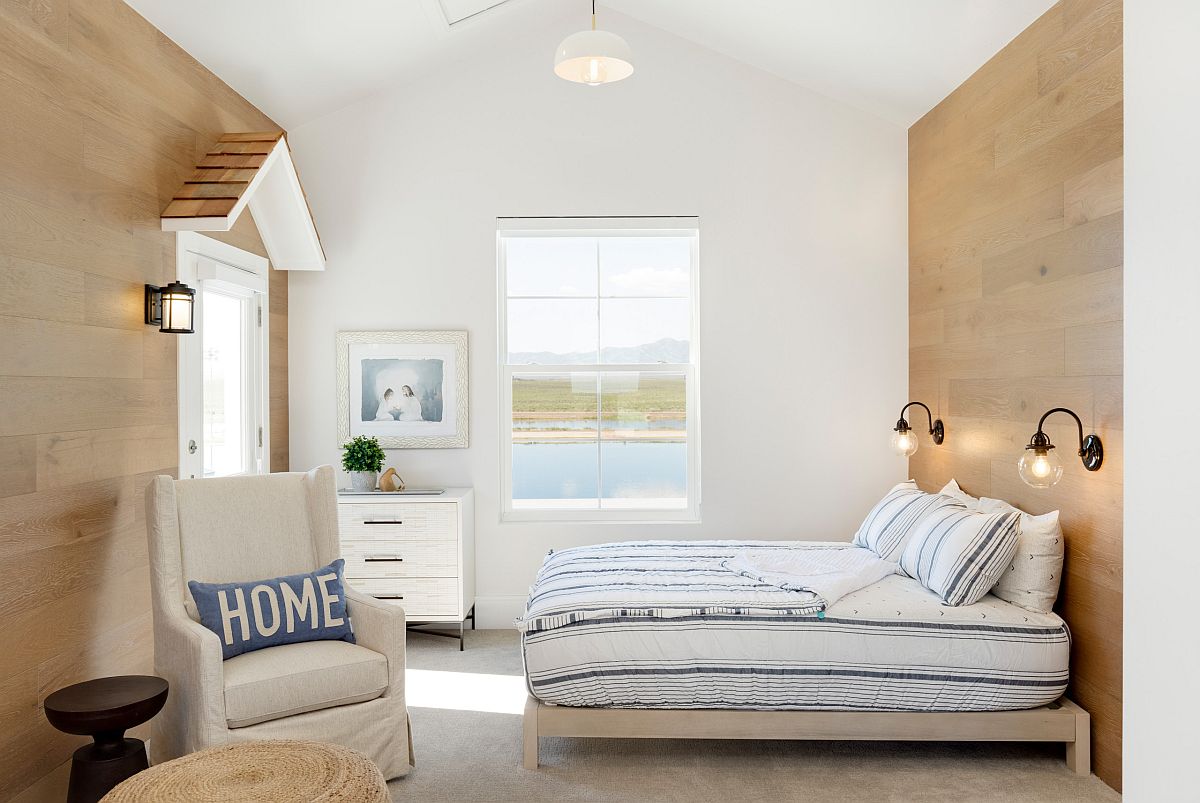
(382, 521)
(382, 558)
(388, 596)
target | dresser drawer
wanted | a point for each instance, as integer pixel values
(419, 596)
(384, 522)
(402, 557)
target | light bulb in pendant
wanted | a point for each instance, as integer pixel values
(596, 74)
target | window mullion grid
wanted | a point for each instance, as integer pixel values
(599, 396)
(599, 369)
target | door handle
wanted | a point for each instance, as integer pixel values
(382, 521)
(388, 596)
(382, 558)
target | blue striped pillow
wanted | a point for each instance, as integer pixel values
(890, 524)
(960, 554)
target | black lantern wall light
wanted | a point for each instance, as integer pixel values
(171, 308)
(1040, 466)
(905, 441)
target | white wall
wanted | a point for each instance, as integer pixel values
(803, 206)
(1162, 396)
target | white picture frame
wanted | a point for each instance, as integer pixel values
(407, 388)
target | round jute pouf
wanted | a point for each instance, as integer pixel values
(277, 771)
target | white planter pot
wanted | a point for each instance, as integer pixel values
(363, 480)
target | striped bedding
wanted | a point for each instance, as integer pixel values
(662, 624)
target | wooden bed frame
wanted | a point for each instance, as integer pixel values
(1060, 721)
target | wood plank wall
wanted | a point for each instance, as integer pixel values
(103, 118)
(1015, 260)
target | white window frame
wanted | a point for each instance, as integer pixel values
(198, 260)
(611, 227)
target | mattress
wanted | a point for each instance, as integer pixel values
(662, 624)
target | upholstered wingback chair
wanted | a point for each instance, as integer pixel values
(249, 528)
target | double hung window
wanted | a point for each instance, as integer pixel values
(598, 356)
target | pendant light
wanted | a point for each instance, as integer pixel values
(593, 57)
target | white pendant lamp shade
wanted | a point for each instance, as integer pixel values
(593, 57)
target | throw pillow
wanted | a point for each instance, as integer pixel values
(1031, 579)
(283, 610)
(959, 554)
(890, 524)
(953, 491)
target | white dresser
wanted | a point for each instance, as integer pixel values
(416, 550)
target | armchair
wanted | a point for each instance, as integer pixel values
(245, 528)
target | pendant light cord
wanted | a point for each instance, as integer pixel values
(593, 15)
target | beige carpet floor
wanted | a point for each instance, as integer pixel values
(466, 724)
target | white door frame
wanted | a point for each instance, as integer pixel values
(233, 267)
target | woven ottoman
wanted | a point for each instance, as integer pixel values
(278, 771)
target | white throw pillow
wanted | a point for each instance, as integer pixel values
(959, 554)
(954, 492)
(890, 523)
(1031, 580)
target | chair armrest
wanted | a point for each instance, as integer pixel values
(188, 655)
(379, 626)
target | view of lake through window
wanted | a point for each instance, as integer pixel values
(599, 369)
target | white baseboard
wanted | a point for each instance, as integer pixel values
(498, 613)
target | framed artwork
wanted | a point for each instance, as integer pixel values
(408, 389)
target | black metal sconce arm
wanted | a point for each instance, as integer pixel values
(937, 430)
(1091, 450)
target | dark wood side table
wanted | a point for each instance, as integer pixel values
(104, 709)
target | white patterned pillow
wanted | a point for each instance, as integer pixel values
(890, 523)
(1031, 579)
(953, 491)
(959, 554)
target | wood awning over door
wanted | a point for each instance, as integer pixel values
(252, 170)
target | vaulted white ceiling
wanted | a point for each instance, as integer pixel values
(300, 59)
(895, 58)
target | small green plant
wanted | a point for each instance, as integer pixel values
(362, 454)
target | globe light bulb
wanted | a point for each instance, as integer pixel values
(904, 442)
(1040, 468)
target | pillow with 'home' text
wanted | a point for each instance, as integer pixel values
(282, 610)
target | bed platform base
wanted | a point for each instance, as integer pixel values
(1060, 721)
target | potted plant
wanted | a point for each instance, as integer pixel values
(363, 458)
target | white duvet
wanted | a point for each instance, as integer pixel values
(830, 574)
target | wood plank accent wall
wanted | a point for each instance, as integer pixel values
(1015, 298)
(103, 119)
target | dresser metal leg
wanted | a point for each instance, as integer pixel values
(462, 627)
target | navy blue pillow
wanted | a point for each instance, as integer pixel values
(284, 610)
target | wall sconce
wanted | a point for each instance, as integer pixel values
(171, 308)
(905, 441)
(1040, 466)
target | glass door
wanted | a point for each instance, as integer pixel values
(229, 430)
(223, 367)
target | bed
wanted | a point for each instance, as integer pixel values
(662, 639)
